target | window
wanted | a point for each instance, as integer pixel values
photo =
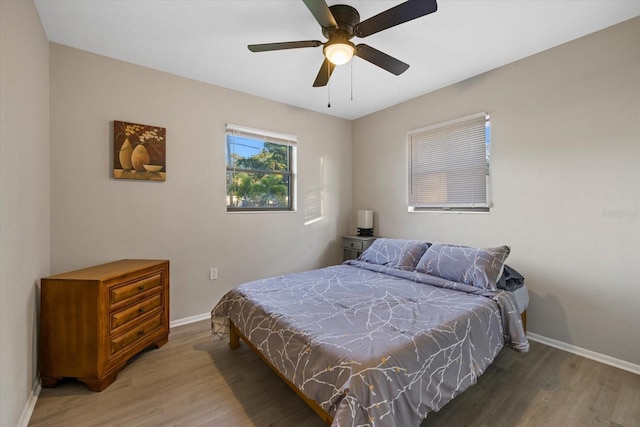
(260, 170)
(449, 166)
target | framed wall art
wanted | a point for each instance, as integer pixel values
(139, 151)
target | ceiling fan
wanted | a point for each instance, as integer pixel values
(340, 23)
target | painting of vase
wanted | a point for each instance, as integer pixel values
(139, 151)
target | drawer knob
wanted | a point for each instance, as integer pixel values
(141, 288)
(141, 333)
(351, 244)
(141, 310)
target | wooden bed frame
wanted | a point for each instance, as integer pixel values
(234, 342)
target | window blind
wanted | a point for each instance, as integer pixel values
(261, 135)
(449, 165)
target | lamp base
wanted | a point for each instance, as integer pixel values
(365, 232)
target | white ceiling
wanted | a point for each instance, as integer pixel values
(207, 40)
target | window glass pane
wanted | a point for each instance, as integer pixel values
(258, 190)
(253, 154)
(259, 172)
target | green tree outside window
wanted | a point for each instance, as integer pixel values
(259, 174)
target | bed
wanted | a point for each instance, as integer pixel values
(382, 340)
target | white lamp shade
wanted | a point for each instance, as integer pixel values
(365, 219)
(338, 53)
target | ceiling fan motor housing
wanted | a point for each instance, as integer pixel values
(346, 17)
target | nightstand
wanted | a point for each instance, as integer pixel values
(353, 246)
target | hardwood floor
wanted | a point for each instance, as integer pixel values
(194, 381)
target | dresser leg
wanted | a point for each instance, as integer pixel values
(162, 341)
(94, 384)
(50, 382)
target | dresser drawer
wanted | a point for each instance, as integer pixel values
(138, 333)
(353, 244)
(128, 314)
(121, 293)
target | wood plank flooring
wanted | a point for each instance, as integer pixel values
(194, 381)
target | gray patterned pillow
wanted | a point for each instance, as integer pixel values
(395, 253)
(472, 266)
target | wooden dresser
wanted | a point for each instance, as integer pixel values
(94, 320)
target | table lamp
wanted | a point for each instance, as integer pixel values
(364, 223)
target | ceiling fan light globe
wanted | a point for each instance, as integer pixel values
(338, 53)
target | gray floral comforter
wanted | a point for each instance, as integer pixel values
(372, 345)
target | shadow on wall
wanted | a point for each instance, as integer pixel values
(549, 308)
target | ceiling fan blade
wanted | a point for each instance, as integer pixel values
(381, 59)
(325, 72)
(321, 12)
(399, 14)
(284, 45)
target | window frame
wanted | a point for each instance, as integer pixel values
(264, 136)
(461, 132)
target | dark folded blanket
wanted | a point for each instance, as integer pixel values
(510, 280)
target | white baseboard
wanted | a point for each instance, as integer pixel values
(191, 319)
(598, 357)
(31, 404)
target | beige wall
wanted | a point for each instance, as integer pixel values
(24, 199)
(565, 161)
(95, 218)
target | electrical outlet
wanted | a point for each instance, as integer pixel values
(213, 273)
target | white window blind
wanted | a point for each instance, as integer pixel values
(449, 165)
(263, 135)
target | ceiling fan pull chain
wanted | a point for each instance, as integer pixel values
(351, 81)
(328, 87)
